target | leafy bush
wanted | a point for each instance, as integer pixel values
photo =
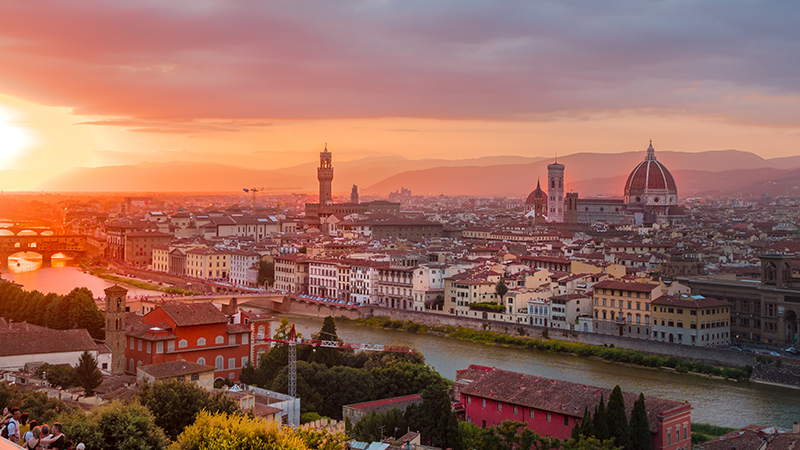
(487, 306)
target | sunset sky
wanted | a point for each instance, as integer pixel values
(266, 84)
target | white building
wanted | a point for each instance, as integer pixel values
(323, 278)
(240, 262)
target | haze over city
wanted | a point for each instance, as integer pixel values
(262, 85)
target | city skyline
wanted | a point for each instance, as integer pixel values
(87, 84)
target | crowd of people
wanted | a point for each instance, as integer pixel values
(18, 428)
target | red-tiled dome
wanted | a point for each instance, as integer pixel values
(650, 177)
(537, 194)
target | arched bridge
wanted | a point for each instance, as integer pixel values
(47, 246)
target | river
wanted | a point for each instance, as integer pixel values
(719, 402)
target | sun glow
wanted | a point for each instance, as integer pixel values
(14, 139)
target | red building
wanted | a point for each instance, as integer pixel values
(194, 332)
(552, 407)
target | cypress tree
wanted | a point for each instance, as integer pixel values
(576, 432)
(618, 420)
(600, 422)
(640, 426)
(587, 425)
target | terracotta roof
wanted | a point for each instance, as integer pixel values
(388, 403)
(635, 287)
(174, 369)
(188, 314)
(563, 397)
(689, 301)
(38, 341)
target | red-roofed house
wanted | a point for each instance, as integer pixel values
(553, 407)
(193, 332)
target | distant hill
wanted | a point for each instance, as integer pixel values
(204, 177)
(592, 174)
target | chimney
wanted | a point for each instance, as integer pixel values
(795, 427)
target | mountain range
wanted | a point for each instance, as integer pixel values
(717, 172)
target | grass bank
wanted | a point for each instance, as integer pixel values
(702, 432)
(106, 275)
(608, 353)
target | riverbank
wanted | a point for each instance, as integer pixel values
(135, 282)
(605, 353)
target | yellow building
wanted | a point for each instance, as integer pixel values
(466, 288)
(208, 263)
(692, 320)
(624, 309)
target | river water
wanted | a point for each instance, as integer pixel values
(718, 402)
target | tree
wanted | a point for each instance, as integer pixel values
(500, 289)
(87, 374)
(58, 375)
(435, 418)
(438, 302)
(375, 426)
(326, 355)
(266, 273)
(618, 427)
(115, 426)
(228, 432)
(600, 421)
(641, 438)
(587, 424)
(83, 312)
(175, 404)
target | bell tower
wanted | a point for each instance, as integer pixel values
(325, 177)
(555, 192)
(115, 327)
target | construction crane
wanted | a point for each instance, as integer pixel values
(293, 341)
(256, 190)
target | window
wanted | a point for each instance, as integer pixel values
(515, 410)
(469, 400)
(669, 437)
(219, 340)
(566, 421)
(139, 344)
(219, 362)
(195, 377)
(232, 339)
(530, 414)
(499, 406)
(201, 361)
(201, 342)
(159, 347)
(484, 403)
(149, 347)
(231, 363)
(183, 343)
(548, 417)
(171, 346)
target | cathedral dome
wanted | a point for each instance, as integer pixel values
(537, 195)
(651, 183)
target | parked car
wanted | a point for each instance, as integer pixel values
(792, 351)
(774, 353)
(738, 349)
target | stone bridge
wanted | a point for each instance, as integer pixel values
(45, 245)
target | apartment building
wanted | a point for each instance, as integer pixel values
(624, 309)
(208, 263)
(691, 320)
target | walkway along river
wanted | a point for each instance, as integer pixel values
(718, 402)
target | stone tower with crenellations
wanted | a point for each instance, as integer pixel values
(115, 327)
(555, 192)
(325, 177)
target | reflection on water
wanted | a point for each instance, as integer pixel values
(26, 269)
(718, 402)
(29, 261)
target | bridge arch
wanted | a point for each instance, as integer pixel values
(27, 233)
(5, 232)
